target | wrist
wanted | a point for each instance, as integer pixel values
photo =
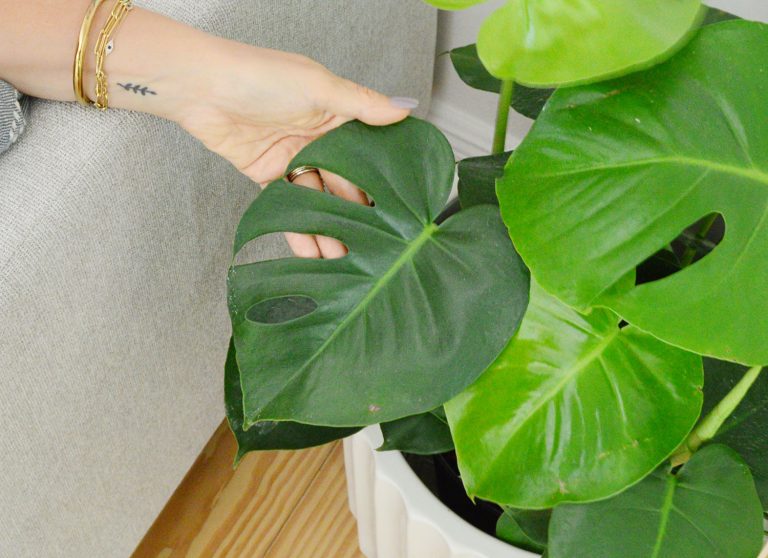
(157, 66)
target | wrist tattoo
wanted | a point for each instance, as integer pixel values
(144, 90)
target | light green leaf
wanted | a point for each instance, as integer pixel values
(615, 171)
(408, 319)
(708, 510)
(424, 434)
(453, 4)
(477, 179)
(746, 430)
(268, 435)
(575, 409)
(549, 43)
(525, 100)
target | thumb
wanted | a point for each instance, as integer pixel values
(351, 100)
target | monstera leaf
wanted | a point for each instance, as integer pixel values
(746, 430)
(709, 509)
(424, 434)
(268, 435)
(550, 43)
(409, 318)
(524, 528)
(612, 172)
(525, 100)
(575, 409)
(715, 15)
(477, 179)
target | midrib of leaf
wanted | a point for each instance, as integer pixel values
(406, 256)
(665, 511)
(751, 173)
(578, 367)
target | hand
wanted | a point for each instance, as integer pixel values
(263, 106)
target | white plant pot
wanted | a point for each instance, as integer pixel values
(397, 515)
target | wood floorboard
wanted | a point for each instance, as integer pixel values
(321, 524)
(275, 505)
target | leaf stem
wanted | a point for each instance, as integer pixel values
(502, 116)
(707, 428)
(690, 250)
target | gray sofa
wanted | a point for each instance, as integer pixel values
(115, 238)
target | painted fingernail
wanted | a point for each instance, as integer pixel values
(404, 102)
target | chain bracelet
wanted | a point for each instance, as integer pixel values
(119, 11)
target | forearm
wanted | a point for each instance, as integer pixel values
(171, 60)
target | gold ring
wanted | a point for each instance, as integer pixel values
(297, 172)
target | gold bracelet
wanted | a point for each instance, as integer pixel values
(82, 46)
(119, 11)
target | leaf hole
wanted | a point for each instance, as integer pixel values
(281, 309)
(693, 244)
(276, 246)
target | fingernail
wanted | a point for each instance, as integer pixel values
(404, 102)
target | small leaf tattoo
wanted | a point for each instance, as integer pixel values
(144, 90)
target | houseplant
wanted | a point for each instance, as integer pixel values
(637, 202)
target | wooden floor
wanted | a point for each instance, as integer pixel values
(275, 505)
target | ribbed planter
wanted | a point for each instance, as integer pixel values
(398, 517)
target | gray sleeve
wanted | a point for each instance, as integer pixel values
(11, 115)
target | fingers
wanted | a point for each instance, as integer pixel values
(348, 99)
(326, 247)
(343, 188)
(303, 245)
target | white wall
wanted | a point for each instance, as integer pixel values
(467, 115)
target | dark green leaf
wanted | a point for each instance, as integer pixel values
(524, 528)
(708, 510)
(615, 171)
(477, 179)
(268, 435)
(525, 100)
(424, 434)
(575, 409)
(716, 16)
(409, 318)
(746, 430)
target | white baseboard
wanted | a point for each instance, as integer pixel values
(469, 136)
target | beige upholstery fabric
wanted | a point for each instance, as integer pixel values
(115, 237)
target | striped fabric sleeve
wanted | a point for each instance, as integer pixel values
(11, 115)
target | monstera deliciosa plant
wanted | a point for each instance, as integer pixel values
(588, 331)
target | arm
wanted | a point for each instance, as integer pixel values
(256, 107)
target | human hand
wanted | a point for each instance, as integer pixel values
(263, 106)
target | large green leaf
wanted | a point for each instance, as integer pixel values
(528, 101)
(525, 100)
(746, 430)
(268, 435)
(612, 172)
(410, 317)
(477, 179)
(424, 434)
(547, 43)
(708, 510)
(575, 409)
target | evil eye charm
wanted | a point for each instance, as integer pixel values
(110, 46)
